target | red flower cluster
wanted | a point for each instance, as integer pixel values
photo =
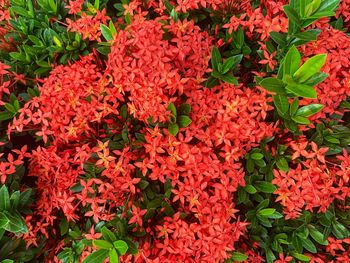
(312, 183)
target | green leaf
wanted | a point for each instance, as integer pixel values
(265, 187)
(10, 108)
(282, 164)
(121, 246)
(312, 7)
(173, 129)
(231, 62)
(302, 90)
(273, 85)
(294, 107)
(103, 244)
(108, 234)
(250, 189)
(228, 78)
(266, 212)
(3, 220)
(301, 120)
(4, 199)
(309, 110)
(172, 108)
(215, 58)
(316, 79)
(238, 257)
(184, 121)
(97, 257)
(279, 38)
(64, 227)
(309, 245)
(318, 236)
(301, 257)
(292, 14)
(113, 256)
(184, 109)
(310, 67)
(292, 61)
(16, 223)
(281, 103)
(256, 156)
(106, 32)
(5, 115)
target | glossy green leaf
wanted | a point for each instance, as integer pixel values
(265, 187)
(318, 236)
(291, 61)
(256, 156)
(309, 245)
(230, 63)
(316, 79)
(121, 246)
(215, 58)
(16, 223)
(102, 244)
(266, 212)
(301, 257)
(309, 110)
(4, 198)
(292, 14)
(302, 90)
(113, 256)
(106, 32)
(281, 103)
(301, 120)
(282, 164)
(108, 234)
(273, 85)
(310, 67)
(97, 257)
(3, 220)
(250, 189)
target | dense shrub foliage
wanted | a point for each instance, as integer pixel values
(174, 131)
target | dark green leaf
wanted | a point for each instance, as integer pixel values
(4, 199)
(316, 79)
(97, 257)
(250, 189)
(318, 236)
(215, 58)
(230, 63)
(282, 164)
(184, 121)
(3, 220)
(309, 245)
(172, 108)
(265, 187)
(16, 223)
(292, 14)
(173, 129)
(279, 38)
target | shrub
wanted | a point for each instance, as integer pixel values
(174, 131)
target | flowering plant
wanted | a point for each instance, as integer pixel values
(174, 131)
